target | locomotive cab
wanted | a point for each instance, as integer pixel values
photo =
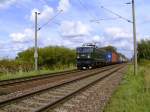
(84, 57)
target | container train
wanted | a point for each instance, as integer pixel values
(90, 56)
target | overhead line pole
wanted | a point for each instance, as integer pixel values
(134, 35)
(36, 47)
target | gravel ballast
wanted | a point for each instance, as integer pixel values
(93, 99)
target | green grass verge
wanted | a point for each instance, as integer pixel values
(34, 73)
(133, 94)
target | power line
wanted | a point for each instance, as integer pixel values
(50, 20)
(95, 20)
(114, 13)
(114, 4)
(104, 19)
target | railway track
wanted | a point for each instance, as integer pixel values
(11, 86)
(42, 76)
(49, 97)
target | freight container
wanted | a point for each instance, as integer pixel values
(112, 57)
(115, 57)
(108, 57)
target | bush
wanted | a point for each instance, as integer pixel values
(14, 66)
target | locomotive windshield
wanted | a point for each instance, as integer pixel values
(84, 49)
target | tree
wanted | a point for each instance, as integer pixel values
(109, 49)
(144, 49)
(49, 56)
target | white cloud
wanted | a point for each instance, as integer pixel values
(25, 36)
(117, 32)
(64, 5)
(98, 39)
(6, 3)
(74, 29)
(123, 44)
(45, 14)
(10, 48)
(142, 37)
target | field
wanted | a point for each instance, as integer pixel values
(133, 94)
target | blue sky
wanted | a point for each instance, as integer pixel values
(74, 26)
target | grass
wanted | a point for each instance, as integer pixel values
(147, 74)
(34, 73)
(133, 94)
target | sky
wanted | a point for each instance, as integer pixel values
(71, 23)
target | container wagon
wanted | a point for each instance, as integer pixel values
(111, 58)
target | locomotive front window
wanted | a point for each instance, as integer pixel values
(84, 50)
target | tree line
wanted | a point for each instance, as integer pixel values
(49, 57)
(53, 56)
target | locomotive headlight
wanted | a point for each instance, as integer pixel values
(78, 57)
(89, 56)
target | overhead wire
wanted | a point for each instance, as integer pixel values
(102, 19)
(47, 3)
(50, 20)
(114, 13)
